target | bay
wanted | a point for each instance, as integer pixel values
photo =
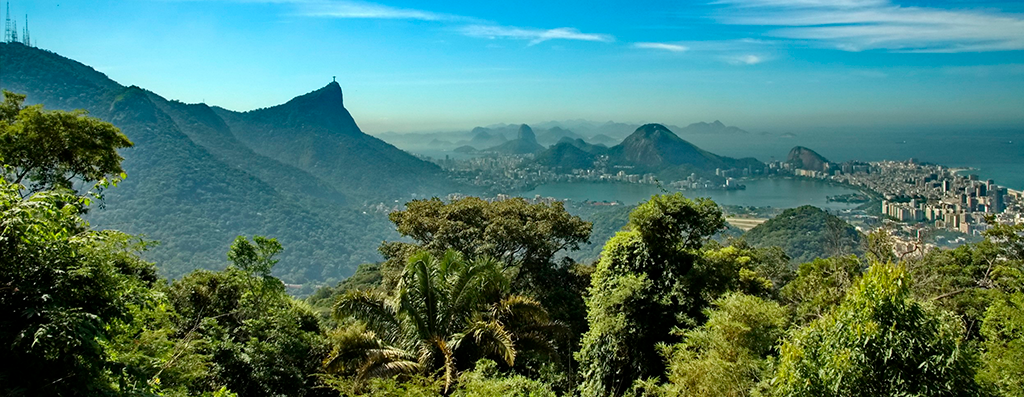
(775, 192)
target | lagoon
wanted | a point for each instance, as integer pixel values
(774, 192)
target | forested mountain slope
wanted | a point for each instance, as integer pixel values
(192, 186)
(314, 132)
(806, 233)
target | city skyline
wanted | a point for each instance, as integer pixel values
(427, 66)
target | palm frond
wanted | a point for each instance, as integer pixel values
(386, 363)
(493, 338)
(372, 308)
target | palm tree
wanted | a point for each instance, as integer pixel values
(443, 308)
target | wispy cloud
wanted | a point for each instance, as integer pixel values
(858, 25)
(662, 46)
(748, 59)
(470, 26)
(734, 52)
(354, 9)
(535, 36)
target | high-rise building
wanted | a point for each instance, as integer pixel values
(996, 200)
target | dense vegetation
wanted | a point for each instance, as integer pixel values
(806, 233)
(475, 300)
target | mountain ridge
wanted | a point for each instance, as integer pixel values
(194, 187)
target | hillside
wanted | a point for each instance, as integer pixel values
(584, 146)
(525, 143)
(193, 185)
(806, 233)
(314, 132)
(654, 148)
(806, 159)
(566, 156)
(483, 138)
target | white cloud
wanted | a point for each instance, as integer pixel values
(858, 25)
(736, 52)
(535, 36)
(662, 46)
(746, 60)
(353, 9)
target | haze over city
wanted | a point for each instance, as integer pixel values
(772, 65)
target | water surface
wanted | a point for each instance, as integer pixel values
(777, 193)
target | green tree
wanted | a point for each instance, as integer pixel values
(256, 260)
(486, 381)
(820, 285)
(258, 340)
(51, 149)
(445, 314)
(806, 233)
(1003, 358)
(879, 341)
(967, 279)
(650, 280)
(511, 231)
(524, 238)
(64, 291)
(761, 272)
(729, 354)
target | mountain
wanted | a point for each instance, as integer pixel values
(602, 139)
(584, 146)
(315, 133)
(716, 128)
(483, 138)
(465, 149)
(199, 176)
(567, 156)
(525, 143)
(654, 148)
(555, 134)
(806, 233)
(806, 159)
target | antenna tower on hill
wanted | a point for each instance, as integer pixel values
(10, 27)
(25, 37)
(7, 24)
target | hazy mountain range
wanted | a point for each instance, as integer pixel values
(547, 133)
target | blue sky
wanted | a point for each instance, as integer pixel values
(418, 66)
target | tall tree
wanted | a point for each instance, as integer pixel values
(513, 232)
(51, 149)
(63, 291)
(1003, 357)
(524, 238)
(258, 340)
(650, 280)
(728, 355)
(879, 341)
(446, 313)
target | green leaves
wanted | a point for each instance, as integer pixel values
(877, 342)
(1003, 356)
(730, 354)
(63, 291)
(443, 308)
(650, 280)
(53, 149)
